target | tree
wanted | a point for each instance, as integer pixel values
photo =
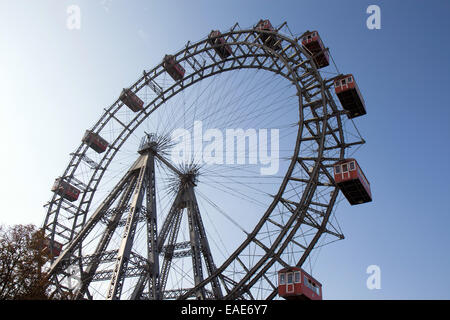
(22, 257)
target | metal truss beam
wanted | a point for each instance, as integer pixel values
(125, 247)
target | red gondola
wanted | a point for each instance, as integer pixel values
(268, 39)
(352, 182)
(65, 190)
(312, 41)
(349, 95)
(55, 250)
(173, 68)
(131, 100)
(295, 284)
(219, 43)
(94, 141)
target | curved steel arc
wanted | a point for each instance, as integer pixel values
(303, 205)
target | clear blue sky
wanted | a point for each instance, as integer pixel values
(54, 82)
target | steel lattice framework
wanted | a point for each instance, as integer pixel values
(320, 142)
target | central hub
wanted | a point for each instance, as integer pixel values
(155, 144)
(189, 174)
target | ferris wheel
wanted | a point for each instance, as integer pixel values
(142, 213)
